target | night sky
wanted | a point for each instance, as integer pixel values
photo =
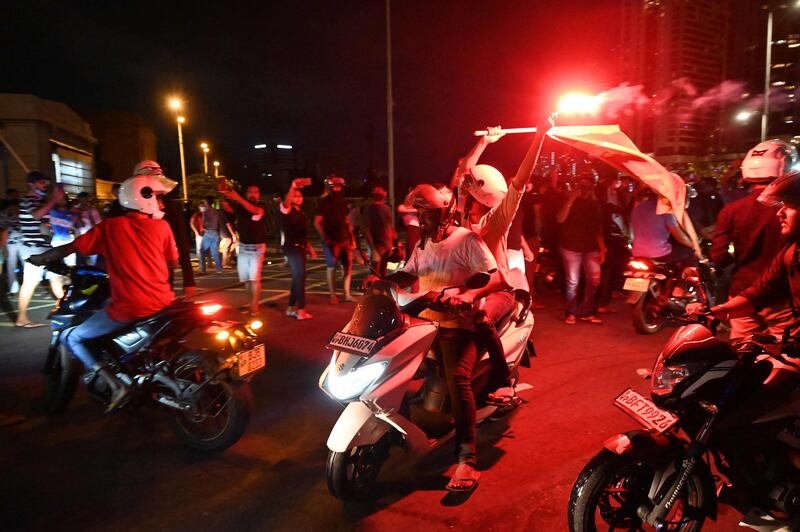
(312, 73)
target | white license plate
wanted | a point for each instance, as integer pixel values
(252, 360)
(351, 343)
(636, 284)
(644, 411)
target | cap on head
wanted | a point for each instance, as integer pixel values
(768, 160)
(147, 167)
(785, 189)
(334, 180)
(35, 177)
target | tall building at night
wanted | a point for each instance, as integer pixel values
(678, 49)
(675, 49)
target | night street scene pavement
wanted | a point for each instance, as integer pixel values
(381, 265)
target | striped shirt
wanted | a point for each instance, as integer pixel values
(31, 227)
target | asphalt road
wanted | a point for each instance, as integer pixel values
(87, 471)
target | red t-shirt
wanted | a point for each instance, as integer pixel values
(136, 249)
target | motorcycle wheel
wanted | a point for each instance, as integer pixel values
(611, 487)
(221, 410)
(647, 315)
(60, 382)
(352, 475)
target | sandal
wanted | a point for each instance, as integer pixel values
(570, 320)
(592, 319)
(29, 325)
(465, 478)
(501, 396)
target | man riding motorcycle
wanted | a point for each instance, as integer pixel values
(446, 257)
(488, 209)
(753, 229)
(782, 277)
(139, 250)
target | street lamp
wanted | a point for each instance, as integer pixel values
(743, 116)
(204, 147)
(216, 168)
(176, 105)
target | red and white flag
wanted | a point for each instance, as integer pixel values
(613, 147)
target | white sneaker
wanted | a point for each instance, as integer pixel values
(291, 313)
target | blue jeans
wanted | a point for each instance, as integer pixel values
(210, 243)
(296, 255)
(589, 262)
(99, 324)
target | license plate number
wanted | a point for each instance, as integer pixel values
(636, 284)
(351, 343)
(252, 360)
(644, 411)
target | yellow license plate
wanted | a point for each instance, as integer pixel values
(252, 360)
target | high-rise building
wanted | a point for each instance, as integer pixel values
(675, 49)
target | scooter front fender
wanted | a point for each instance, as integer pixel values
(356, 426)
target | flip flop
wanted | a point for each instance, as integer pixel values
(592, 319)
(469, 478)
(503, 411)
(30, 325)
(501, 397)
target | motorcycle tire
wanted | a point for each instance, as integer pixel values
(611, 487)
(351, 475)
(60, 382)
(223, 407)
(646, 315)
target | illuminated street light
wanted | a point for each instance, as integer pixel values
(176, 104)
(284, 146)
(743, 116)
(204, 147)
(260, 146)
(579, 103)
(216, 168)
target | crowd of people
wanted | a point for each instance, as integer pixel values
(479, 222)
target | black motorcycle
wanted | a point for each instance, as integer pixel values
(180, 358)
(721, 425)
(658, 294)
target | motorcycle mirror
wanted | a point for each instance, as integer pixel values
(477, 280)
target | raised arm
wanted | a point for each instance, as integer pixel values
(471, 158)
(255, 210)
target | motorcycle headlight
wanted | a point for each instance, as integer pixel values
(666, 377)
(353, 383)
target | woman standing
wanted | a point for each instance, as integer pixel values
(295, 246)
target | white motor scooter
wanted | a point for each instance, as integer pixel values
(386, 370)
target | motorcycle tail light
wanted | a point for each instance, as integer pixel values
(255, 325)
(666, 377)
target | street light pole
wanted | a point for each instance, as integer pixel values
(180, 121)
(204, 146)
(767, 78)
(390, 104)
(216, 168)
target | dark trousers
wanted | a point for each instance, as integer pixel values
(459, 354)
(296, 256)
(497, 305)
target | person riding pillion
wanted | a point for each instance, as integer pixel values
(447, 256)
(140, 253)
(782, 277)
(488, 206)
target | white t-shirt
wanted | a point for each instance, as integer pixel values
(493, 228)
(449, 263)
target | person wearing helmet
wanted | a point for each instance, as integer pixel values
(782, 276)
(332, 222)
(752, 228)
(139, 252)
(488, 206)
(446, 256)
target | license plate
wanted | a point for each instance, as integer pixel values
(636, 284)
(252, 360)
(644, 411)
(351, 343)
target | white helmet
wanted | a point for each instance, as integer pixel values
(768, 161)
(138, 193)
(486, 185)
